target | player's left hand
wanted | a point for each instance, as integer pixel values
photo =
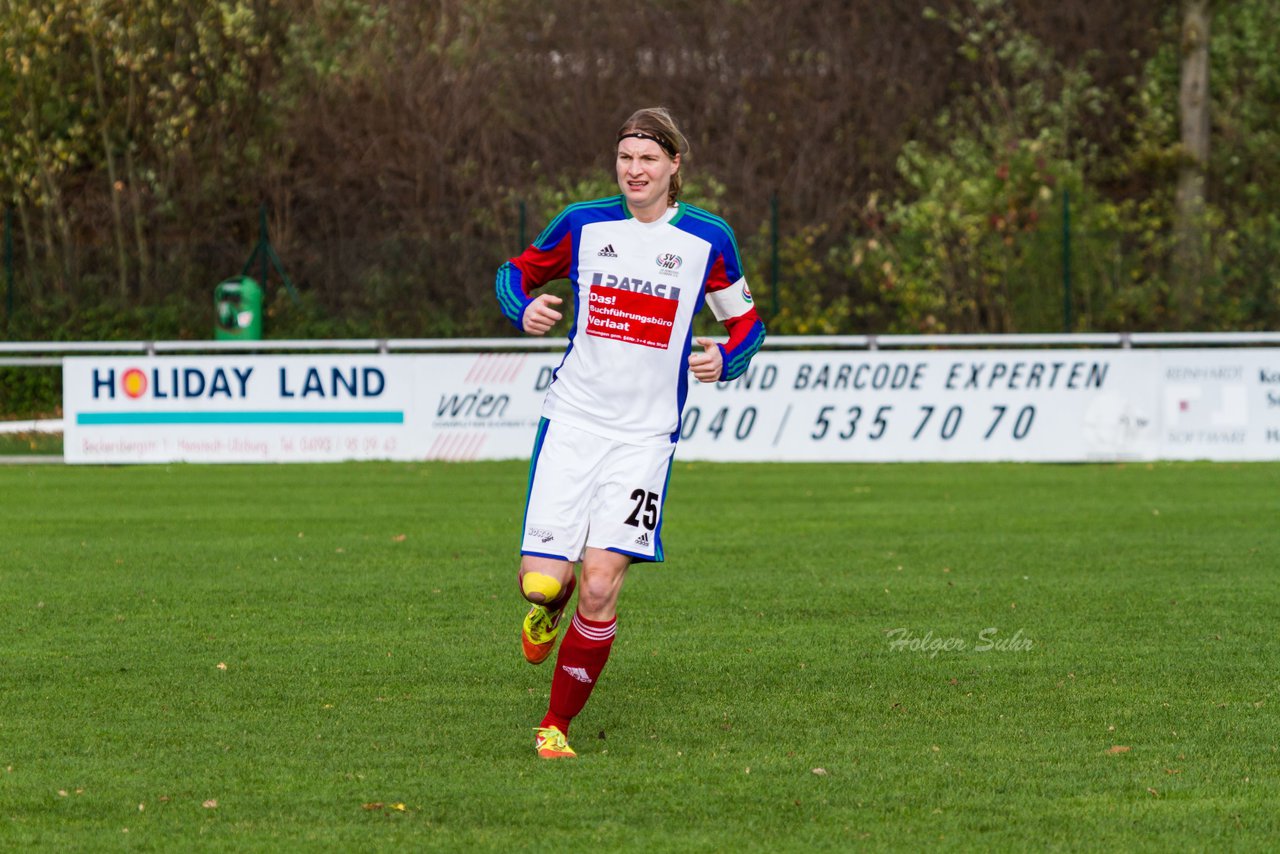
(706, 365)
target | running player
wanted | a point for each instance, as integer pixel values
(641, 265)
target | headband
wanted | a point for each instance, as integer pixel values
(662, 143)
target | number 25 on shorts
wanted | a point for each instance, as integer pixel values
(646, 510)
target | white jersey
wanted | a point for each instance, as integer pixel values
(636, 288)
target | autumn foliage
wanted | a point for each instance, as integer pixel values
(916, 156)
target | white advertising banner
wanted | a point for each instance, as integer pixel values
(235, 409)
(855, 406)
(300, 408)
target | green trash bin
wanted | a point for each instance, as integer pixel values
(237, 304)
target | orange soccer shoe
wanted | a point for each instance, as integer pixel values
(542, 627)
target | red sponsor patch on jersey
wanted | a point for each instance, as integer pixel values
(632, 317)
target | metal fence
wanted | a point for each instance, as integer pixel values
(51, 353)
(1057, 277)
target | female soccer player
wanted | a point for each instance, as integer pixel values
(641, 265)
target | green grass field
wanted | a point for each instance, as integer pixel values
(327, 658)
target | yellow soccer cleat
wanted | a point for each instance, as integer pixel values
(541, 628)
(551, 743)
(539, 633)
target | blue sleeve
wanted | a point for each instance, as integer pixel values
(509, 286)
(746, 334)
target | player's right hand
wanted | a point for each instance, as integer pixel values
(539, 316)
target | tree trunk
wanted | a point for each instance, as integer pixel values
(115, 188)
(51, 261)
(1190, 253)
(145, 284)
(28, 243)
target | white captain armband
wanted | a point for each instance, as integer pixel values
(731, 302)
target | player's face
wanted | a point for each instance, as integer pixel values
(644, 176)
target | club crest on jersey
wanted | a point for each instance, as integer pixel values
(746, 293)
(640, 286)
(669, 262)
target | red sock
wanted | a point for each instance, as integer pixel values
(581, 658)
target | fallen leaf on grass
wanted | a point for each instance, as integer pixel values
(399, 538)
(1173, 770)
(821, 772)
(376, 805)
(399, 807)
(211, 804)
(222, 665)
(1118, 748)
(1153, 792)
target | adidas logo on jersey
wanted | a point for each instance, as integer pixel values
(577, 673)
(643, 539)
(607, 252)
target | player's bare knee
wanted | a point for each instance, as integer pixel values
(598, 596)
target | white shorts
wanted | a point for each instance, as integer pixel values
(585, 490)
